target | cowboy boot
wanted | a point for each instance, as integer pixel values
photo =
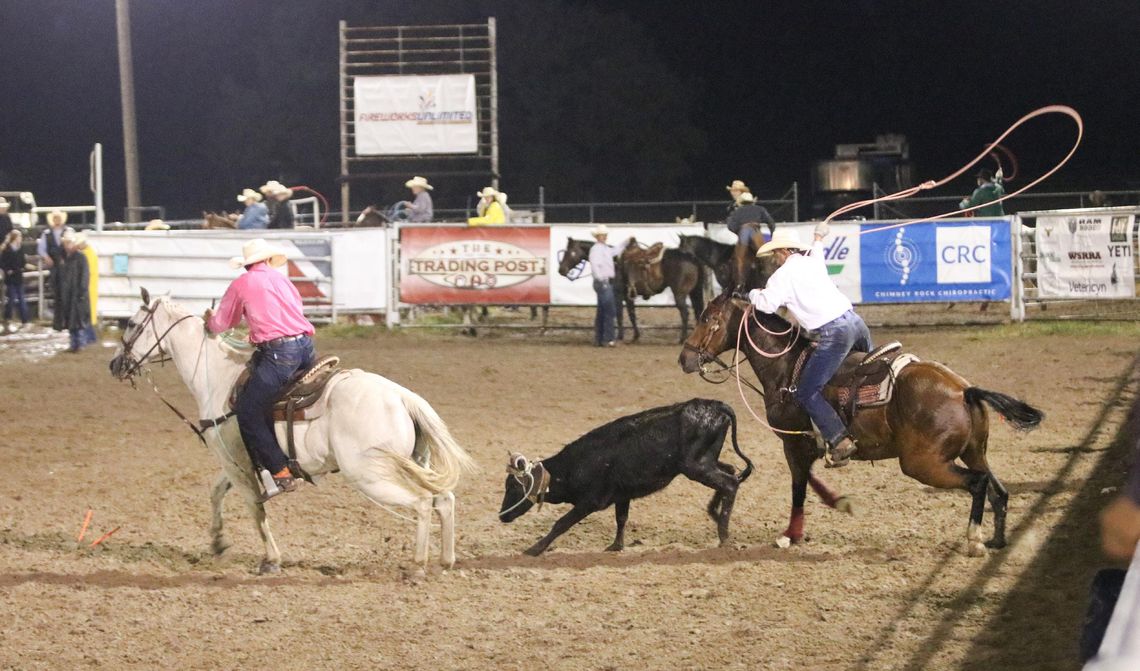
(839, 454)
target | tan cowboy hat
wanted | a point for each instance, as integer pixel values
(487, 192)
(782, 239)
(259, 250)
(747, 197)
(418, 181)
(157, 225)
(271, 187)
(600, 229)
(737, 185)
(55, 215)
(248, 193)
(4, 204)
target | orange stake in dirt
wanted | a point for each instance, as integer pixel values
(83, 529)
(105, 536)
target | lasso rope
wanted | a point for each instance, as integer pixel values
(906, 193)
(740, 387)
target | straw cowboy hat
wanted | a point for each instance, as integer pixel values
(4, 204)
(259, 250)
(487, 192)
(57, 215)
(781, 239)
(418, 181)
(747, 197)
(248, 193)
(738, 185)
(270, 187)
(157, 225)
(600, 230)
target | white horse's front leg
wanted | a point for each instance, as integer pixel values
(445, 508)
(219, 541)
(272, 561)
(423, 526)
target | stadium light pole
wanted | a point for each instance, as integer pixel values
(127, 94)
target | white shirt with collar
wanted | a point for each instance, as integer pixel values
(804, 287)
(602, 260)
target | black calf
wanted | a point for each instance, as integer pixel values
(627, 459)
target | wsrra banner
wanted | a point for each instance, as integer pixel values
(1085, 256)
(415, 114)
(501, 265)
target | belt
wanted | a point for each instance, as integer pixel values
(280, 341)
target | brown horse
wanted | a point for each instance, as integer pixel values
(213, 220)
(650, 271)
(571, 265)
(934, 417)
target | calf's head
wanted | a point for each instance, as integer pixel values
(526, 485)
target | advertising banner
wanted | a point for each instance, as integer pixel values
(1085, 256)
(415, 114)
(580, 290)
(936, 261)
(504, 265)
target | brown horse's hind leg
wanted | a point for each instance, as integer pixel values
(947, 475)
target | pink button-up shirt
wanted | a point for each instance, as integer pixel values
(268, 300)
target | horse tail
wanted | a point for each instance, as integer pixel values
(736, 447)
(1020, 414)
(434, 446)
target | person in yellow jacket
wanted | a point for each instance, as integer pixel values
(93, 281)
(491, 208)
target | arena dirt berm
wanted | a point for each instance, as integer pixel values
(886, 589)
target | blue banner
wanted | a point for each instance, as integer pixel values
(936, 261)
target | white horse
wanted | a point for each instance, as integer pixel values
(385, 440)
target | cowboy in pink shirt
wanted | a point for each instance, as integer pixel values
(278, 329)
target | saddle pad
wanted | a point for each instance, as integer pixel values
(875, 394)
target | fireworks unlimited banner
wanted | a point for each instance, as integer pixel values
(1085, 256)
(415, 114)
(501, 265)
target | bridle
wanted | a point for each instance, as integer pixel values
(534, 489)
(578, 269)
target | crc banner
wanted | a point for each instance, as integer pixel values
(580, 290)
(415, 114)
(1085, 256)
(483, 264)
(935, 261)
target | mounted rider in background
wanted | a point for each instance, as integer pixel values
(745, 222)
(989, 189)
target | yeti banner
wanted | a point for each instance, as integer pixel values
(415, 114)
(1085, 256)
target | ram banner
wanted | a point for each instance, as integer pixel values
(415, 114)
(944, 261)
(1085, 256)
(501, 265)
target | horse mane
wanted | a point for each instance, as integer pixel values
(231, 346)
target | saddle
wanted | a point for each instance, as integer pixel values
(643, 268)
(864, 380)
(298, 403)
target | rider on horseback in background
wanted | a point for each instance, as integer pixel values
(801, 284)
(745, 222)
(282, 336)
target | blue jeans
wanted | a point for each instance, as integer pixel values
(837, 338)
(606, 314)
(272, 369)
(16, 300)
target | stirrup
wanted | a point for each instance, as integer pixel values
(834, 460)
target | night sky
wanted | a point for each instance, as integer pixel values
(683, 96)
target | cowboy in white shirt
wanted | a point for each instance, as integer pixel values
(602, 268)
(802, 285)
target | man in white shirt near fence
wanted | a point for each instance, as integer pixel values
(602, 268)
(802, 285)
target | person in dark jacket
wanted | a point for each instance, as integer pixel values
(50, 248)
(12, 265)
(282, 214)
(5, 220)
(74, 302)
(982, 200)
(745, 222)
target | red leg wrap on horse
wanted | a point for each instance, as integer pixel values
(795, 530)
(825, 494)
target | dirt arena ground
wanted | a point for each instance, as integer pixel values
(886, 589)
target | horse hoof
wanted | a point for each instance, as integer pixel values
(975, 549)
(447, 564)
(615, 548)
(268, 567)
(995, 544)
(219, 546)
(844, 504)
(783, 542)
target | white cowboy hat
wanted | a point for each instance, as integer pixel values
(747, 197)
(271, 187)
(487, 192)
(69, 235)
(738, 185)
(600, 229)
(782, 239)
(248, 193)
(4, 202)
(259, 250)
(57, 214)
(418, 181)
(157, 225)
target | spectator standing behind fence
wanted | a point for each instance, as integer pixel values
(256, 214)
(74, 302)
(420, 210)
(491, 208)
(13, 263)
(988, 191)
(602, 268)
(282, 216)
(93, 282)
(50, 249)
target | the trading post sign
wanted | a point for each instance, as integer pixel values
(1085, 256)
(414, 114)
(501, 265)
